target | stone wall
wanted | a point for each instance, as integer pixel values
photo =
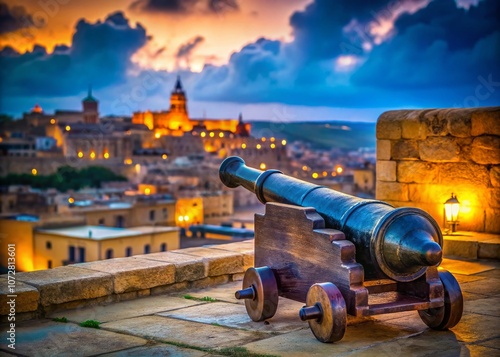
(425, 155)
(45, 291)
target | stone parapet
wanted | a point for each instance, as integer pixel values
(46, 291)
(423, 156)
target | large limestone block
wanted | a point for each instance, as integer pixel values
(436, 122)
(389, 124)
(187, 267)
(495, 176)
(495, 198)
(69, 283)
(247, 248)
(26, 297)
(130, 274)
(459, 122)
(405, 150)
(486, 121)
(392, 191)
(384, 149)
(218, 262)
(440, 149)
(464, 173)
(386, 170)
(486, 150)
(417, 171)
(413, 127)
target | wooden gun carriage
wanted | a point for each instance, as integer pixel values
(341, 254)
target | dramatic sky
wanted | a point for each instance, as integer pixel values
(270, 59)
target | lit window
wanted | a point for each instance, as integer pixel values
(164, 156)
(106, 155)
(157, 135)
(52, 121)
(243, 146)
(92, 155)
(212, 134)
(203, 134)
(34, 172)
(258, 146)
(304, 168)
(181, 219)
(80, 154)
(315, 175)
(325, 173)
(262, 166)
(221, 135)
(186, 218)
(273, 146)
(339, 170)
(283, 142)
(263, 140)
(71, 200)
(68, 128)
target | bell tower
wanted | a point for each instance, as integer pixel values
(90, 109)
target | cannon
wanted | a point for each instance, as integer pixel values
(341, 254)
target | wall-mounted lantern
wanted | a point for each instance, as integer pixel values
(451, 210)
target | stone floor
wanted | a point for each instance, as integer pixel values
(184, 324)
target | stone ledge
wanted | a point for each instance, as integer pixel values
(102, 282)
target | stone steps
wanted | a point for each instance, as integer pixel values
(472, 245)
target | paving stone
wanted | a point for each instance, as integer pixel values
(480, 351)
(303, 343)
(492, 343)
(68, 283)
(466, 249)
(467, 278)
(429, 343)
(26, 299)
(485, 306)
(489, 287)
(224, 292)
(187, 267)
(126, 309)
(159, 350)
(475, 327)
(134, 274)
(219, 262)
(47, 338)
(235, 315)
(464, 267)
(179, 331)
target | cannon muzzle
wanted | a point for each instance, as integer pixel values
(399, 243)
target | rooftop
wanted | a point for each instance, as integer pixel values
(102, 232)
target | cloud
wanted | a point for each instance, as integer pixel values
(185, 6)
(99, 55)
(185, 49)
(434, 55)
(14, 19)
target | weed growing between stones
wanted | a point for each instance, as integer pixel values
(60, 319)
(205, 298)
(90, 323)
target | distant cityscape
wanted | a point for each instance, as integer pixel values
(78, 187)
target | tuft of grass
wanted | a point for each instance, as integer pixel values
(91, 324)
(60, 319)
(205, 298)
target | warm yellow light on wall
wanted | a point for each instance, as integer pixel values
(243, 146)
(186, 218)
(68, 128)
(106, 155)
(52, 121)
(263, 140)
(262, 166)
(304, 168)
(181, 219)
(203, 134)
(212, 134)
(80, 154)
(137, 168)
(34, 172)
(325, 173)
(164, 156)
(157, 135)
(451, 210)
(315, 175)
(339, 169)
(71, 200)
(147, 191)
(92, 155)
(127, 161)
(273, 146)
(258, 146)
(221, 135)
(334, 173)
(283, 142)
(273, 139)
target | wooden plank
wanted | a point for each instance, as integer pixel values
(293, 242)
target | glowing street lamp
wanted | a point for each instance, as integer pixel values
(451, 210)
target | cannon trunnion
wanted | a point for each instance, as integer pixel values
(340, 254)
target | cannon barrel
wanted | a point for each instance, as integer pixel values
(399, 243)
